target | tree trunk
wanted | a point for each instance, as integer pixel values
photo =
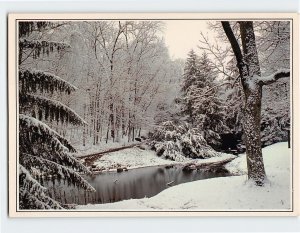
(111, 119)
(251, 125)
(84, 127)
(107, 132)
(252, 111)
(249, 69)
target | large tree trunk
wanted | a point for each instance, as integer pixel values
(249, 70)
(252, 111)
(251, 125)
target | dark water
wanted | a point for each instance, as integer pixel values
(135, 183)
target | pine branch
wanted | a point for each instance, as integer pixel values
(41, 47)
(28, 182)
(28, 27)
(32, 194)
(30, 201)
(38, 139)
(31, 124)
(50, 109)
(49, 167)
(34, 80)
(30, 44)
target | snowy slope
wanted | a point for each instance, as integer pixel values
(131, 158)
(136, 158)
(226, 193)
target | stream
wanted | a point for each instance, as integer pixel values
(131, 184)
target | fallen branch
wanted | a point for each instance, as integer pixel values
(170, 183)
(91, 158)
(210, 164)
(214, 164)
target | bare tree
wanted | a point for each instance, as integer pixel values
(252, 82)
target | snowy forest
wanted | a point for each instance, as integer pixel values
(109, 118)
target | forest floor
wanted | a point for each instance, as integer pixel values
(225, 193)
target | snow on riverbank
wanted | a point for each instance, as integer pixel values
(136, 158)
(226, 193)
(130, 158)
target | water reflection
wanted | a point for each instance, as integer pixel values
(136, 183)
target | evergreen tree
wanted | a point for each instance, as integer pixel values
(190, 76)
(201, 102)
(209, 109)
(42, 151)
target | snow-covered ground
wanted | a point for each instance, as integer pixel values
(136, 158)
(226, 193)
(102, 146)
(130, 158)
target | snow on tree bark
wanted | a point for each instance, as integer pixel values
(249, 69)
(252, 110)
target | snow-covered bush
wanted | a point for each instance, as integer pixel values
(275, 116)
(274, 129)
(177, 141)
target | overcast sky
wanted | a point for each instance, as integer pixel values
(183, 35)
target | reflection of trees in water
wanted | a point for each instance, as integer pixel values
(137, 183)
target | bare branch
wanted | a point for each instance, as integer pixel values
(207, 92)
(233, 41)
(217, 53)
(273, 77)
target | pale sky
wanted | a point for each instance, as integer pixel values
(183, 35)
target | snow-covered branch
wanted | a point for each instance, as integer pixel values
(42, 45)
(51, 168)
(265, 80)
(32, 193)
(44, 130)
(32, 80)
(53, 109)
(219, 55)
(208, 92)
(38, 139)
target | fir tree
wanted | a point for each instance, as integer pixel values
(201, 103)
(190, 76)
(43, 151)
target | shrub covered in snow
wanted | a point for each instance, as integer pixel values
(275, 113)
(274, 129)
(177, 141)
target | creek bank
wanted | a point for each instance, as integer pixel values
(131, 158)
(223, 193)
